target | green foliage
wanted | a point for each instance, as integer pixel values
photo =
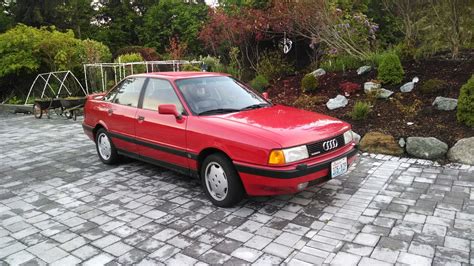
(148, 54)
(465, 112)
(309, 83)
(19, 49)
(361, 110)
(259, 83)
(213, 63)
(273, 66)
(341, 63)
(96, 52)
(390, 70)
(432, 86)
(190, 67)
(234, 68)
(130, 58)
(168, 19)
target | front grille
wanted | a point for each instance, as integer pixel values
(321, 147)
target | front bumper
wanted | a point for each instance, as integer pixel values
(260, 181)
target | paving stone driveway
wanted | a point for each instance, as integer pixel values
(60, 205)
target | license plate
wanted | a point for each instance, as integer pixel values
(338, 167)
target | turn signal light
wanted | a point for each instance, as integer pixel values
(276, 157)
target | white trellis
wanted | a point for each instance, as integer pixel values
(119, 70)
(57, 76)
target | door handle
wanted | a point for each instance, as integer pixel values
(141, 118)
(110, 111)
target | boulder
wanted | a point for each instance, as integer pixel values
(376, 142)
(338, 102)
(445, 104)
(363, 69)
(384, 93)
(318, 72)
(409, 86)
(426, 148)
(462, 151)
(370, 86)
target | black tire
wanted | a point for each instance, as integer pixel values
(114, 157)
(235, 189)
(37, 112)
(69, 114)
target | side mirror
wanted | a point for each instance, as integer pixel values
(265, 96)
(169, 109)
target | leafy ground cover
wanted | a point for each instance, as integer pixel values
(395, 115)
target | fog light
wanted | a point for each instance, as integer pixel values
(302, 186)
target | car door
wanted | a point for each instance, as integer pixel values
(161, 137)
(121, 116)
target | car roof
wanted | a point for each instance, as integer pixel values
(181, 75)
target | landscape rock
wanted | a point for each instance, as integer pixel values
(376, 142)
(426, 148)
(409, 86)
(319, 72)
(363, 69)
(337, 102)
(401, 142)
(356, 137)
(462, 151)
(384, 93)
(445, 104)
(371, 86)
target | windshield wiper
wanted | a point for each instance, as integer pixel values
(255, 106)
(218, 111)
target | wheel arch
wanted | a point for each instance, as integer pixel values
(205, 153)
(96, 128)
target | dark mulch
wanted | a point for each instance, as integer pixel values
(386, 116)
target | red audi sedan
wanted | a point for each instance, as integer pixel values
(213, 127)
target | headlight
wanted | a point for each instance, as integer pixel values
(288, 155)
(348, 137)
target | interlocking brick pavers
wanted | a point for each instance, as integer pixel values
(60, 205)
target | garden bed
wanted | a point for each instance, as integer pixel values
(386, 116)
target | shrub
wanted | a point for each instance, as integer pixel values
(308, 102)
(213, 64)
(190, 67)
(129, 58)
(341, 63)
(259, 83)
(349, 87)
(390, 69)
(273, 66)
(309, 83)
(465, 113)
(361, 110)
(147, 53)
(433, 86)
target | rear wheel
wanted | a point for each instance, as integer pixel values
(220, 181)
(105, 148)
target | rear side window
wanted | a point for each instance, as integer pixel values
(159, 91)
(128, 92)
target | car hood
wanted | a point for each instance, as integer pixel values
(286, 125)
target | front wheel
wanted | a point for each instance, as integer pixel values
(105, 148)
(221, 182)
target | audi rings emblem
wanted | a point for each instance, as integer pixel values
(330, 144)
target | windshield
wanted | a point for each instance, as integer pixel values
(211, 95)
